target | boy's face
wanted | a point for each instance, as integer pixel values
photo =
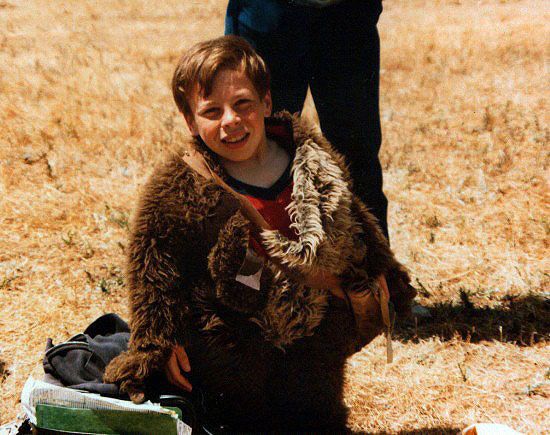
(230, 120)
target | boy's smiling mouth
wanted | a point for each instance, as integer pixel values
(235, 141)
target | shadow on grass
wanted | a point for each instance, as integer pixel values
(422, 431)
(522, 320)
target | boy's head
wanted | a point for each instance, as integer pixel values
(221, 87)
(203, 61)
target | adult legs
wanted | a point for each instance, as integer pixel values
(345, 59)
(279, 33)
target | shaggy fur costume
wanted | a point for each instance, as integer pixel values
(269, 358)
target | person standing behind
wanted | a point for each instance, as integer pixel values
(333, 46)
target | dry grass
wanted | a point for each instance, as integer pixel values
(85, 111)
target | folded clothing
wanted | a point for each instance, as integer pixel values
(80, 362)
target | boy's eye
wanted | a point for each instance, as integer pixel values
(243, 103)
(213, 111)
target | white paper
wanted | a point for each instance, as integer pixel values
(38, 392)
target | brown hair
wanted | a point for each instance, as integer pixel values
(201, 63)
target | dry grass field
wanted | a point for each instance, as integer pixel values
(86, 111)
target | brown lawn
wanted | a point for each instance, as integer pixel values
(86, 111)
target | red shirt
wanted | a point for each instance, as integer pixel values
(272, 202)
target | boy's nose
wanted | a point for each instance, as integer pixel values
(230, 118)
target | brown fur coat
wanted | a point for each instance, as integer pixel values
(272, 357)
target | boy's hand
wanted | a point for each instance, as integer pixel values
(177, 364)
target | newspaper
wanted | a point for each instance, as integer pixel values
(38, 392)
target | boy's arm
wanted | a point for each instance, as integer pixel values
(174, 230)
(159, 308)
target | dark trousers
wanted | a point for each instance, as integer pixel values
(246, 384)
(336, 51)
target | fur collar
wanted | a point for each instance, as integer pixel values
(320, 209)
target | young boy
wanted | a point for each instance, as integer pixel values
(246, 315)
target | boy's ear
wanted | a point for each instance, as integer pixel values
(191, 124)
(268, 103)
